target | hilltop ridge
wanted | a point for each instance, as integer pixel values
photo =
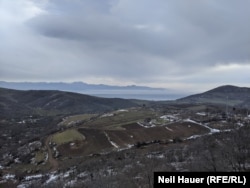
(227, 94)
(16, 102)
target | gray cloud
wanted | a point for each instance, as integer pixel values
(148, 42)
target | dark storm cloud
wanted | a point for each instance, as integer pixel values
(216, 30)
(141, 41)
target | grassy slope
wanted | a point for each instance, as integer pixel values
(67, 136)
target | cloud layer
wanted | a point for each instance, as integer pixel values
(168, 43)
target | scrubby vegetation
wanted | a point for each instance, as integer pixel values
(122, 147)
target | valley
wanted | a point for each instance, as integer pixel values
(113, 146)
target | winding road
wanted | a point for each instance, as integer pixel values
(52, 161)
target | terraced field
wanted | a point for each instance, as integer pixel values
(121, 130)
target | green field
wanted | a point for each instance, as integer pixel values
(67, 136)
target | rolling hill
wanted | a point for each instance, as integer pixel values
(53, 102)
(230, 95)
(46, 102)
(64, 143)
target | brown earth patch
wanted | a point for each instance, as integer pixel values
(186, 129)
(98, 141)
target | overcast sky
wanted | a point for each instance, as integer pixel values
(192, 45)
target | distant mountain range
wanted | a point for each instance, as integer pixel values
(226, 95)
(73, 87)
(99, 90)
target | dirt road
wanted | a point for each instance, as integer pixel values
(52, 161)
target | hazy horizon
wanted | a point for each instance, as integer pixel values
(106, 91)
(189, 46)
